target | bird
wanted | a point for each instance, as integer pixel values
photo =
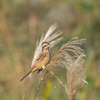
(42, 61)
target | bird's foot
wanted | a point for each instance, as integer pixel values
(41, 78)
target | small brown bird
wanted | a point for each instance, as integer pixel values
(42, 61)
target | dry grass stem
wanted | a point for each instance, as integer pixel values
(57, 79)
(38, 89)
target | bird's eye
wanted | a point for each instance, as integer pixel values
(44, 46)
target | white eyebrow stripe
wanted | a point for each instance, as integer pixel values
(44, 45)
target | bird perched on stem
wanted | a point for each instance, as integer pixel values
(42, 61)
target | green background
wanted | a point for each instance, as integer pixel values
(22, 22)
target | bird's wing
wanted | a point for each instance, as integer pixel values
(42, 57)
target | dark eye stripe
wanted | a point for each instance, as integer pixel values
(44, 46)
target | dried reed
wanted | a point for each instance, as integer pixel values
(75, 77)
(70, 56)
(73, 62)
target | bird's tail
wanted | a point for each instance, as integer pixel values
(32, 70)
(26, 75)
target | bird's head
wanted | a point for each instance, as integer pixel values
(45, 46)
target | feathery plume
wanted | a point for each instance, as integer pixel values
(50, 37)
(75, 77)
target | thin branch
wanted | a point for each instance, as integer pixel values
(38, 88)
(58, 80)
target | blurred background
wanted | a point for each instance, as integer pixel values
(22, 22)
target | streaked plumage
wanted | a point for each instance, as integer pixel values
(42, 61)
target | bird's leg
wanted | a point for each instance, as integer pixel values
(41, 77)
